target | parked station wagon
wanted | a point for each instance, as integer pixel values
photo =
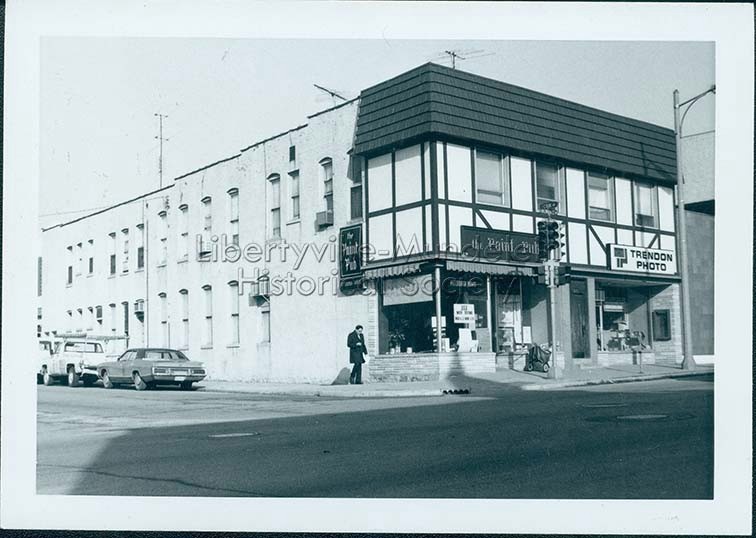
(148, 367)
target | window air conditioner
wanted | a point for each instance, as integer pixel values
(324, 218)
(139, 307)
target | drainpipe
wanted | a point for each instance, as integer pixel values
(437, 299)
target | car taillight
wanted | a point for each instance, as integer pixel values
(159, 370)
(198, 371)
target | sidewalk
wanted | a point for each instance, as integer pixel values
(480, 385)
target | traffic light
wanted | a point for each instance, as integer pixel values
(552, 235)
(543, 240)
(563, 274)
(559, 235)
(542, 274)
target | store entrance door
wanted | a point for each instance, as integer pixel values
(579, 316)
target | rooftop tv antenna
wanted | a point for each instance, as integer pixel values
(334, 94)
(460, 54)
(160, 137)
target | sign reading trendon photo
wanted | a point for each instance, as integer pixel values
(488, 245)
(350, 250)
(642, 260)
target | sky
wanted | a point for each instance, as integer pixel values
(99, 96)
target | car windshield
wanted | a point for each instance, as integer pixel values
(83, 347)
(164, 355)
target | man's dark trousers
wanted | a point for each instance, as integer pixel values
(356, 377)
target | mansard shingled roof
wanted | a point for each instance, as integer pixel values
(439, 102)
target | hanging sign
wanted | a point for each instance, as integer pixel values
(350, 249)
(489, 245)
(407, 289)
(642, 260)
(464, 313)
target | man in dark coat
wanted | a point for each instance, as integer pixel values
(357, 350)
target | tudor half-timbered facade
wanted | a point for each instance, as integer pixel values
(428, 189)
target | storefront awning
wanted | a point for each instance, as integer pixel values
(488, 268)
(394, 270)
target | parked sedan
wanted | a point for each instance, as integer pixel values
(147, 367)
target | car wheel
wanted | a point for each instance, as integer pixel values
(186, 385)
(139, 383)
(73, 377)
(528, 367)
(47, 379)
(546, 367)
(106, 382)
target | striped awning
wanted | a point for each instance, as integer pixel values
(488, 268)
(394, 270)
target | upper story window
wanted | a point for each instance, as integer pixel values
(294, 193)
(140, 246)
(79, 259)
(326, 168)
(491, 179)
(233, 215)
(646, 206)
(274, 181)
(112, 250)
(125, 238)
(183, 246)
(293, 155)
(90, 262)
(355, 191)
(207, 214)
(600, 197)
(69, 272)
(163, 231)
(39, 276)
(547, 184)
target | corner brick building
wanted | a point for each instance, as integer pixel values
(248, 263)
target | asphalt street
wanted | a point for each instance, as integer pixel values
(648, 440)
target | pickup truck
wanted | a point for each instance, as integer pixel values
(44, 355)
(72, 360)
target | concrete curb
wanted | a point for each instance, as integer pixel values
(334, 392)
(611, 381)
(330, 393)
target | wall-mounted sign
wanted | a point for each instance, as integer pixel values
(488, 245)
(350, 250)
(464, 313)
(642, 260)
(407, 289)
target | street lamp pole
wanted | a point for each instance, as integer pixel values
(688, 362)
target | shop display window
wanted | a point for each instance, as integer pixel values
(622, 318)
(661, 325)
(408, 327)
(508, 311)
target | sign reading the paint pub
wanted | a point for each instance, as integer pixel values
(642, 260)
(487, 245)
(350, 247)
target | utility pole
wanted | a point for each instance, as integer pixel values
(688, 362)
(160, 137)
(549, 238)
